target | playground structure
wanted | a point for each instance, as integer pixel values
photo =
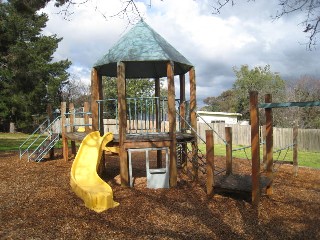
(139, 124)
(142, 53)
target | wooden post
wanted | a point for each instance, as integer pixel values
(210, 161)
(86, 116)
(121, 84)
(255, 148)
(172, 125)
(269, 144)
(72, 128)
(101, 124)
(50, 116)
(182, 106)
(228, 132)
(295, 150)
(193, 119)
(65, 148)
(94, 98)
(158, 121)
(264, 147)
(71, 116)
(183, 124)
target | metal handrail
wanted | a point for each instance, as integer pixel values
(225, 142)
(32, 134)
(195, 131)
(41, 134)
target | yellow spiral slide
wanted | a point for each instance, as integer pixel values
(85, 181)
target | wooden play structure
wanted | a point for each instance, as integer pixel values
(256, 182)
(142, 53)
(167, 126)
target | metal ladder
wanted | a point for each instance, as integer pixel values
(39, 143)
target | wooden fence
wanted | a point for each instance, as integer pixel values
(308, 139)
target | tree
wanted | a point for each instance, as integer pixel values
(259, 79)
(304, 89)
(225, 102)
(29, 79)
(76, 91)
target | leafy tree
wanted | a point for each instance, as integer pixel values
(259, 79)
(225, 102)
(304, 89)
(29, 79)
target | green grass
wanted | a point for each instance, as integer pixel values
(12, 141)
(307, 159)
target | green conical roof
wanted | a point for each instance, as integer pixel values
(145, 53)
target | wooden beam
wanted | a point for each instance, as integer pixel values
(172, 125)
(193, 120)
(182, 106)
(182, 109)
(158, 120)
(264, 148)
(269, 143)
(94, 98)
(72, 128)
(65, 148)
(295, 150)
(86, 116)
(210, 161)
(255, 148)
(100, 90)
(121, 85)
(228, 134)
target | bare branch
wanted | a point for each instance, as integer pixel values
(312, 16)
(220, 4)
(311, 9)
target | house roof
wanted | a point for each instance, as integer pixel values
(145, 54)
(218, 113)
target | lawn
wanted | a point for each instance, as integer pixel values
(12, 141)
(307, 159)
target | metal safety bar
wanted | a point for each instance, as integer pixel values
(198, 115)
(144, 114)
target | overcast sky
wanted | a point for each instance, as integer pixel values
(214, 44)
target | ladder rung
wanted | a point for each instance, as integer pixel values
(158, 170)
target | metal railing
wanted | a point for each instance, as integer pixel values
(144, 114)
(77, 113)
(41, 140)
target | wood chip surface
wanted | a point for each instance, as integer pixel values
(36, 202)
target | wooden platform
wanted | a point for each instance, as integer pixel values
(238, 183)
(146, 137)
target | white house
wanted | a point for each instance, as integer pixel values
(218, 117)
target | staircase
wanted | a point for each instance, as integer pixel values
(39, 143)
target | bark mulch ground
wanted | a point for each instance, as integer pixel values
(38, 203)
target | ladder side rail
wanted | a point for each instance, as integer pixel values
(28, 139)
